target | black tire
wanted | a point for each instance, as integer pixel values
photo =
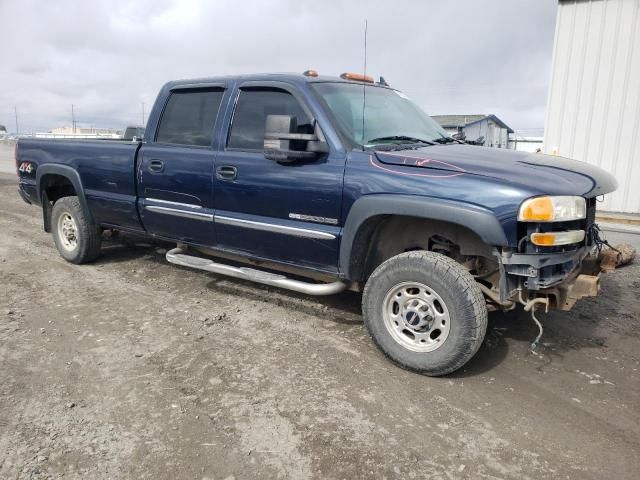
(465, 312)
(88, 237)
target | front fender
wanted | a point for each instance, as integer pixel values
(479, 220)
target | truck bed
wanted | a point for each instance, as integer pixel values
(106, 170)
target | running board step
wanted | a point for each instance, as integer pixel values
(178, 257)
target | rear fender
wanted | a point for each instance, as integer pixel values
(68, 173)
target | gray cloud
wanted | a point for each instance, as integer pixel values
(108, 57)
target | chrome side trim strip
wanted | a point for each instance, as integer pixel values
(270, 227)
(176, 204)
(180, 213)
(179, 257)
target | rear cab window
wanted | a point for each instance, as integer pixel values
(189, 117)
(252, 108)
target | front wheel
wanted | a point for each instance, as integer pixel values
(425, 312)
(77, 238)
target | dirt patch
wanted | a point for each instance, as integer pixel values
(134, 368)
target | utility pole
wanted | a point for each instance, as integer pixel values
(15, 109)
(142, 113)
(73, 119)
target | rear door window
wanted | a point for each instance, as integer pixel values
(189, 117)
(254, 104)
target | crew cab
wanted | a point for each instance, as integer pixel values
(319, 184)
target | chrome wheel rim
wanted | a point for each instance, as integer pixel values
(416, 317)
(67, 232)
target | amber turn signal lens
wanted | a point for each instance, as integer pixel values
(551, 239)
(358, 77)
(543, 239)
(538, 209)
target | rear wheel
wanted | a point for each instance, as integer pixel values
(76, 237)
(425, 312)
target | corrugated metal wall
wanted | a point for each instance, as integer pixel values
(593, 113)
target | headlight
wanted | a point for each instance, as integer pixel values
(552, 209)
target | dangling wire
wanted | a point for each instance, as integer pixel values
(530, 306)
(594, 232)
(534, 344)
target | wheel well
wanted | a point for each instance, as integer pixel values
(52, 188)
(382, 237)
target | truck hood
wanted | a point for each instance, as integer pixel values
(545, 173)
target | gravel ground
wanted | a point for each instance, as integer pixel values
(135, 368)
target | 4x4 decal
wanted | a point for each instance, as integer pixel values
(26, 167)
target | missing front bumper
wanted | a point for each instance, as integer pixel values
(584, 285)
(563, 278)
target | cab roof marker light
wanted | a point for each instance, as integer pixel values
(310, 73)
(358, 77)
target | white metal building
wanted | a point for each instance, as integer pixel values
(593, 111)
(522, 143)
(487, 130)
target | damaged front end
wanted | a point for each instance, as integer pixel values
(563, 278)
(553, 278)
(556, 280)
(558, 253)
(556, 261)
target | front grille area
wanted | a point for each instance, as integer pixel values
(525, 229)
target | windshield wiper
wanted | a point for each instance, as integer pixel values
(401, 138)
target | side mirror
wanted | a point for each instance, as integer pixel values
(282, 142)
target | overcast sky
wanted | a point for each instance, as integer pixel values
(106, 57)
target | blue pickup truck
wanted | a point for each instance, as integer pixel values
(320, 184)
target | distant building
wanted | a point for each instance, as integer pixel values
(593, 112)
(526, 143)
(487, 130)
(80, 132)
(85, 131)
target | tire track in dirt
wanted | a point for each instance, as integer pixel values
(176, 373)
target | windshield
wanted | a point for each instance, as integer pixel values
(390, 117)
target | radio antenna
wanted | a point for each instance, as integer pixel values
(364, 89)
